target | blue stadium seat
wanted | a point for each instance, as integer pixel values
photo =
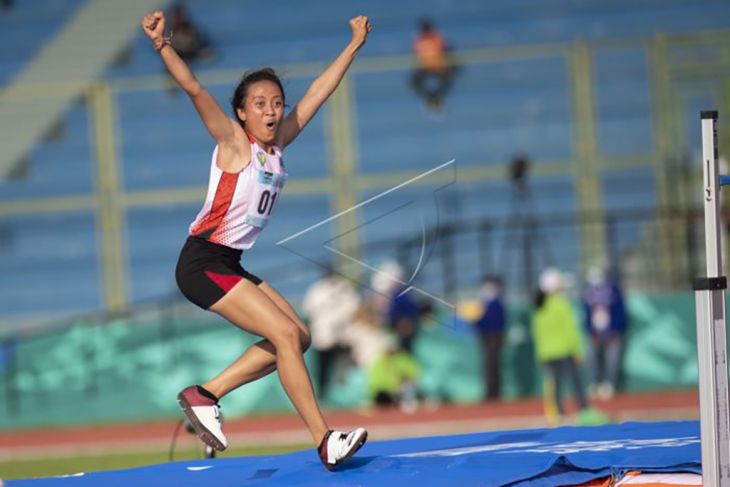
(25, 27)
(494, 111)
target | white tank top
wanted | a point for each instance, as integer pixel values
(238, 205)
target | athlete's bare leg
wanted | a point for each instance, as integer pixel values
(250, 308)
(259, 360)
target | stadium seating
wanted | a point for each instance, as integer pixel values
(495, 111)
(25, 27)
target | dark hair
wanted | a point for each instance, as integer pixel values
(540, 297)
(425, 25)
(493, 279)
(249, 78)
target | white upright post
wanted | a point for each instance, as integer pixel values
(711, 333)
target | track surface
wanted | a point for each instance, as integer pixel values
(288, 429)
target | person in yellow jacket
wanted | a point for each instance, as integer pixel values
(558, 349)
(392, 379)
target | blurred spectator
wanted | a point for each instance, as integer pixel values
(187, 40)
(557, 341)
(365, 337)
(405, 317)
(190, 43)
(491, 327)
(400, 309)
(330, 303)
(605, 321)
(384, 279)
(392, 379)
(434, 75)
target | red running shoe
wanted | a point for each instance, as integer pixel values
(204, 414)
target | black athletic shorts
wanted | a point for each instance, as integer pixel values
(206, 271)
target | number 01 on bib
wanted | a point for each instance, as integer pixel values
(266, 190)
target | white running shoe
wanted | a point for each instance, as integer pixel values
(338, 446)
(204, 415)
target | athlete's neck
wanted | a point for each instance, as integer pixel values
(268, 147)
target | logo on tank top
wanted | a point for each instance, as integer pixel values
(261, 157)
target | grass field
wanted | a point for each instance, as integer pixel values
(47, 467)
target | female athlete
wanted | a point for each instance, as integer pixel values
(246, 179)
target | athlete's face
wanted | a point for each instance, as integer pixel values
(263, 110)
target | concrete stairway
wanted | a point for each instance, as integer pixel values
(35, 99)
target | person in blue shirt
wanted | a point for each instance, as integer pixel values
(395, 303)
(491, 329)
(404, 315)
(605, 321)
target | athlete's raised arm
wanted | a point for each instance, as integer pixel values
(221, 127)
(322, 87)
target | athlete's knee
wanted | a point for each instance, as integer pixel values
(287, 335)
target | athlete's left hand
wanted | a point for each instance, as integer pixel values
(360, 27)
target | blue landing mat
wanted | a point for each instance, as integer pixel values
(540, 457)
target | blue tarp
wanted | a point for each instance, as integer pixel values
(539, 457)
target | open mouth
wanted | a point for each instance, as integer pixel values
(271, 125)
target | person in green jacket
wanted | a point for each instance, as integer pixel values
(392, 379)
(558, 347)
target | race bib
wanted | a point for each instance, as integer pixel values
(265, 193)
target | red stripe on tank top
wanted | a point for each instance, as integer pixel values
(249, 137)
(224, 281)
(221, 203)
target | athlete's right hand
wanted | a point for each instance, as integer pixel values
(153, 25)
(360, 26)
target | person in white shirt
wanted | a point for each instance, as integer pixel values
(330, 303)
